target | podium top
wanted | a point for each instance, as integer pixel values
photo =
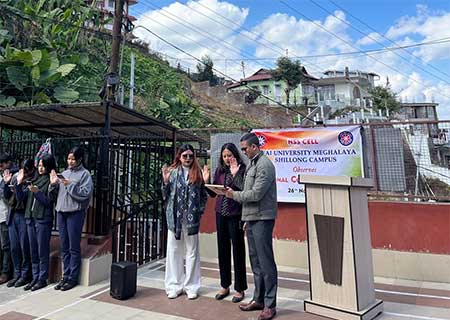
(337, 181)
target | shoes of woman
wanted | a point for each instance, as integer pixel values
(222, 294)
(238, 297)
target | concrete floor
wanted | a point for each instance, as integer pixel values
(402, 300)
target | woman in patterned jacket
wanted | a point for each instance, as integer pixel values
(185, 196)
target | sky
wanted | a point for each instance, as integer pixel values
(243, 36)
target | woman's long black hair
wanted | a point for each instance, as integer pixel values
(49, 163)
(234, 151)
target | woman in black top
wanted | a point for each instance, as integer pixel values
(230, 173)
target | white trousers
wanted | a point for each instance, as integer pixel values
(177, 278)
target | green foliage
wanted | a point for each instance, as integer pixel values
(161, 91)
(290, 72)
(205, 71)
(383, 98)
(48, 55)
(49, 31)
(33, 77)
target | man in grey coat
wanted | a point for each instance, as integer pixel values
(259, 210)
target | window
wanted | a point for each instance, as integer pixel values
(266, 89)
(326, 92)
(307, 90)
(278, 93)
(111, 3)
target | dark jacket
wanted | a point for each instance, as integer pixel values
(16, 199)
(40, 205)
(234, 208)
(183, 200)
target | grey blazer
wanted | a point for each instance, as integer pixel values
(259, 196)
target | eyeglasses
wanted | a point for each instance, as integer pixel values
(187, 156)
(243, 149)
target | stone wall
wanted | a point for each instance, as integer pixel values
(233, 103)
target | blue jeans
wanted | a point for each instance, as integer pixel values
(20, 247)
(70, 225)
(39, 233)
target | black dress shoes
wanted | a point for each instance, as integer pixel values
(68, 285)
(30, 285)
(21, 282)
(39, 285)
(60, 284)
(12, 282)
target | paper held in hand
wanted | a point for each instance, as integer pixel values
(216, 188)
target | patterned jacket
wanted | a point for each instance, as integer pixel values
(183, 201)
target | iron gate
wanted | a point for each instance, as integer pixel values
(128, 201)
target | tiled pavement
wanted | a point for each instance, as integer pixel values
(402, 300)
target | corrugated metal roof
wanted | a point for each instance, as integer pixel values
(83, 119)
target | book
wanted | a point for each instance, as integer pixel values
(216, 188)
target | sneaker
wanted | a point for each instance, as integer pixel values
(173, 294)
(192, 296)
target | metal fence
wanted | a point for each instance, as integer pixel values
(408, 160)
(128, 202)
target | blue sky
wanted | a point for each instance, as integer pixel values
(250, 30)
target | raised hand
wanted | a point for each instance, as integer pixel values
(234, 166)
(53, 177)
(206, 174)
(7, 176)
(165, 170)
(20, 176)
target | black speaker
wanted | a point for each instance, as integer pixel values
(123, 280)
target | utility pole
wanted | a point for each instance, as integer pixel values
(111, 81)
(116, 36)
(243, 69)
(132, 81)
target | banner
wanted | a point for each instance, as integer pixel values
(327, 151)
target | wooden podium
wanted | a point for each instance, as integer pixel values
(339, 248)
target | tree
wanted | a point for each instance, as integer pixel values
(383, 98)
(205, 71)
(290, 72)
(32, 77)
(42, 36)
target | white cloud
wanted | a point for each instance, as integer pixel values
(194, 29)
(281, 31)
(428, 26)
(371, 38)
(301, 37)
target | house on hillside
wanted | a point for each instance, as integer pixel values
(339, 89)
(336, 89)
(263, 81)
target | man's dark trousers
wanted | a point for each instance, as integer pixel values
(259, 238)
(5, 263)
